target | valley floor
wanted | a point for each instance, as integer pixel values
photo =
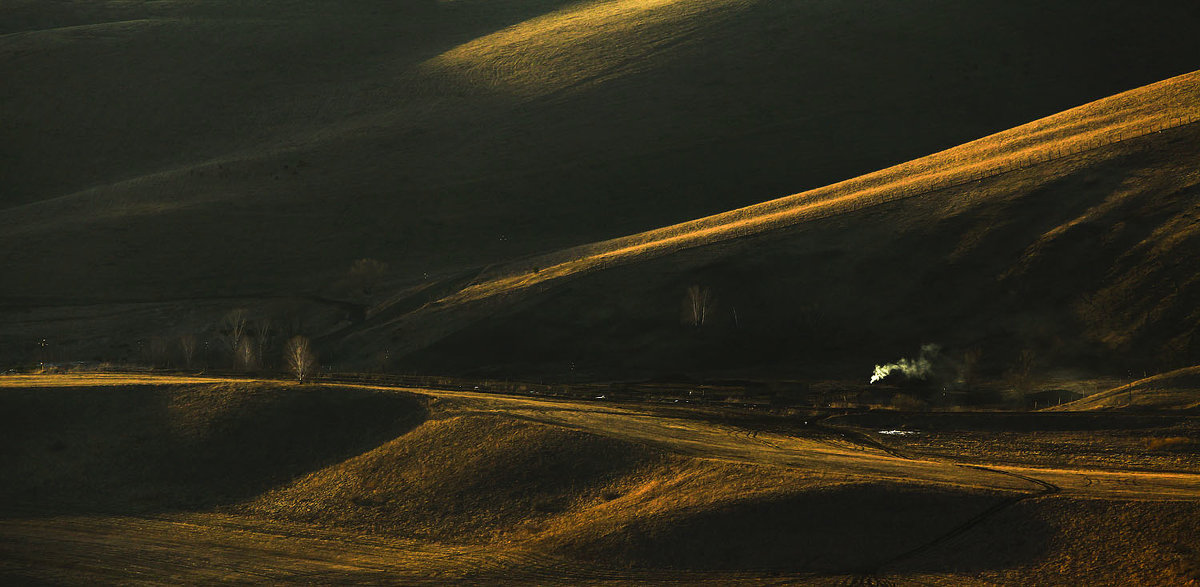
(620, 494)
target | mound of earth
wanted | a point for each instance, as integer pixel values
(464, 477)
(153, 448)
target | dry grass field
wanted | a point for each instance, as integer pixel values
(164, 480)
(1065, 239)
(582, 292)
(164, 162)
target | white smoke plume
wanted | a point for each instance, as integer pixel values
(919, 368)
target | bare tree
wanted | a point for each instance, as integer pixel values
(299, 358)
(233, 331)
(262, 337)
(697, 305)
(244, 357)
(187, 348)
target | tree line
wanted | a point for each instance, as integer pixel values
(239, 342)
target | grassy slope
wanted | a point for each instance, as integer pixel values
(371, 462)
(1063, 247)
(285, 138)
(1174, 390)
(154, 448)
(494, 488)
(461, 477)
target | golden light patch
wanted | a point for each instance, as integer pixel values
(577, 46)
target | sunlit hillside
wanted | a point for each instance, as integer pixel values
(599, 292)
(1173, 390)
(179, 158)
(1065, 238)
(201, 482)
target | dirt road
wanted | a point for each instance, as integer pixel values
(192, 547)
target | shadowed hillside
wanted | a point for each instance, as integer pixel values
(104, 476)
(582, 292)
(158, 151)
(1060, 244)
(491, 478)
(184, 447)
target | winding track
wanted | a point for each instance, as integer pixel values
(205, 547)
(857, 454)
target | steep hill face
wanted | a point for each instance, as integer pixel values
(155, 151)
(1062, 244)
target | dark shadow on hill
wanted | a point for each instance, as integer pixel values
(833, 298)
(783, 97)
(152, 449)
(295, 41)
(852, 528)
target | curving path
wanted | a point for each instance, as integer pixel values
(190, 548)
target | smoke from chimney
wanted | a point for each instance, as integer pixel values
(919, 368)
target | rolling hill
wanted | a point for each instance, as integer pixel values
(200, 480)
(632, 253)
(163, 162)
(1065, 241)
(1177, 390)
